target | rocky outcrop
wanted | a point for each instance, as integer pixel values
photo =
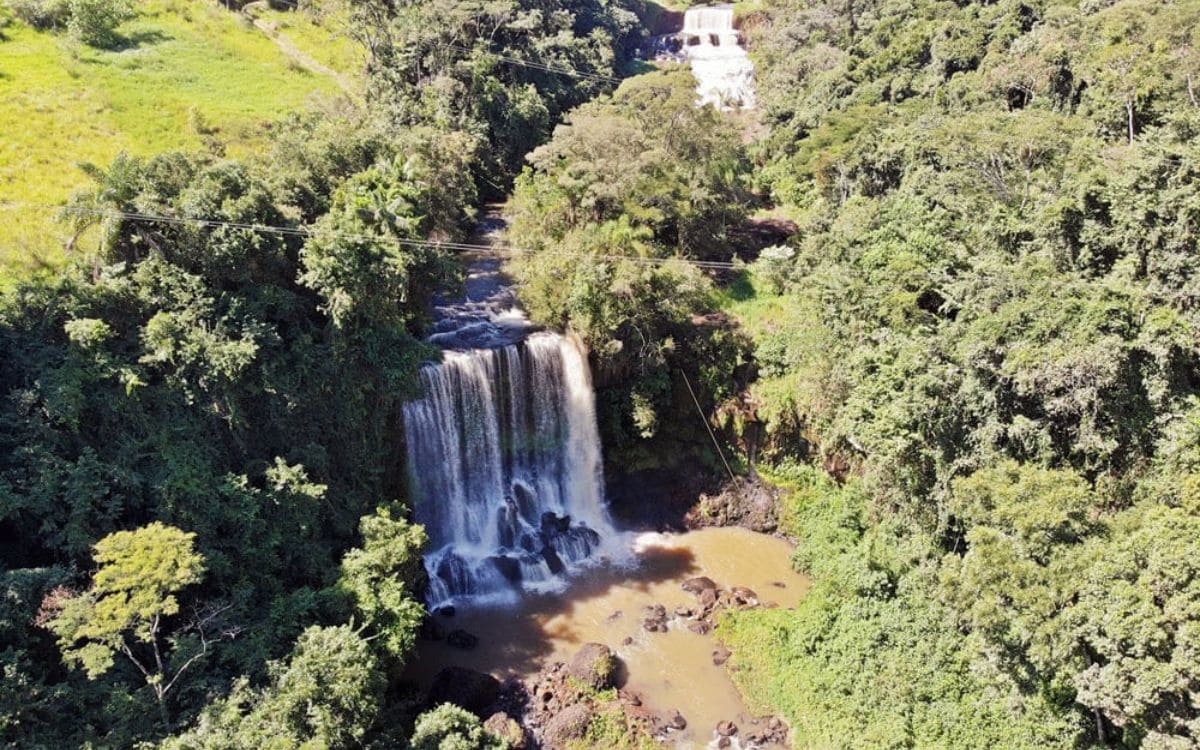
(746, 502)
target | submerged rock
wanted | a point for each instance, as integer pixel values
(462, 639)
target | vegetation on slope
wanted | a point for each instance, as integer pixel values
(203, 518)
(181, 76)
(986, 328)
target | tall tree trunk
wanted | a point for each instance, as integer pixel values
(1129, 117)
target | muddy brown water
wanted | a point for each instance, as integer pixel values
(671, 671)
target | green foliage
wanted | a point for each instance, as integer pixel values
(628, 187)
(132, 591)
(327, 695)
(381, 577)
(986, 326)
(449, 727)
(95, 22)
(42, 14)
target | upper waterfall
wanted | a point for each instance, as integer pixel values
(503, 454)
(722, 67)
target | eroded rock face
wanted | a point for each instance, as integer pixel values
(749, 503)
(594, 666)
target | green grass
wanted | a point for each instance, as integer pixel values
(61, 104)
(326, 39)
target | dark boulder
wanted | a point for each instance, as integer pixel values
(698, 584)
(462, 639)
(595, 666)
(474, 691)
(567, 726)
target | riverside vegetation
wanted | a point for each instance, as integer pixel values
(974, 367)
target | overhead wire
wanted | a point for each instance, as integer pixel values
(147, 218)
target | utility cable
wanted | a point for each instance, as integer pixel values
(147, 218)
(707, 426)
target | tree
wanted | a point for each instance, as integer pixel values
(449, 727)
(382, 577)
(126, 609)
(95, 22)
(326, 695)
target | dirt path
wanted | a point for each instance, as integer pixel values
(302, 58)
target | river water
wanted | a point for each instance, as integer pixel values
(606, 604)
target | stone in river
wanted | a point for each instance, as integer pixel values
(462, 639)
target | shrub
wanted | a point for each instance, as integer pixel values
(42, 14)
(95, 22)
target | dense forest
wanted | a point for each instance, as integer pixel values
(972, 367)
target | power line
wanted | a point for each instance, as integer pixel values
(147, 218)
(541, 66)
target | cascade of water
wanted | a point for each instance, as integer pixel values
(504, 464)
(723, 71)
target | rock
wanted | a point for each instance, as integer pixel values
(430, 630)
(632, 699)
(627, 641)
(698, 584)
(567, 726)
(708, 597)
(474, 691)
(700, 627)
(683, 612)
(615, 616)
(743, 595)
(462, 639)
(446, 611)
(727, 728)
(779, 584)
(720, 655)
(594, 665)
(770, 605)
(677, 722)
(503, 726)
(724, 742)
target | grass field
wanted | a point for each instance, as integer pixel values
(185, 68)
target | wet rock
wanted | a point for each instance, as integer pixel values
(779, 584)
(567, 726)
(594, 666)
(656, 619)
(462, 639)
(708, 598)
(615, 616)
(430, 630)
(683, 612)
(627, 641)
(724, 742)
(743, 595)
(700, 627)
(677, 721)
(720, 655)
(446, 611)
(503, 726)
(698, 584)
(770, 605)
(474, 691)
(727, 728)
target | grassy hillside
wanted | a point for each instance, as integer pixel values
(188, 75)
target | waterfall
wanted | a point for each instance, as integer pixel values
(505, 468)
(723, 71)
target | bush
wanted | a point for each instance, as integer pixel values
(449, 727)
(42, 14)
(95, 22)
